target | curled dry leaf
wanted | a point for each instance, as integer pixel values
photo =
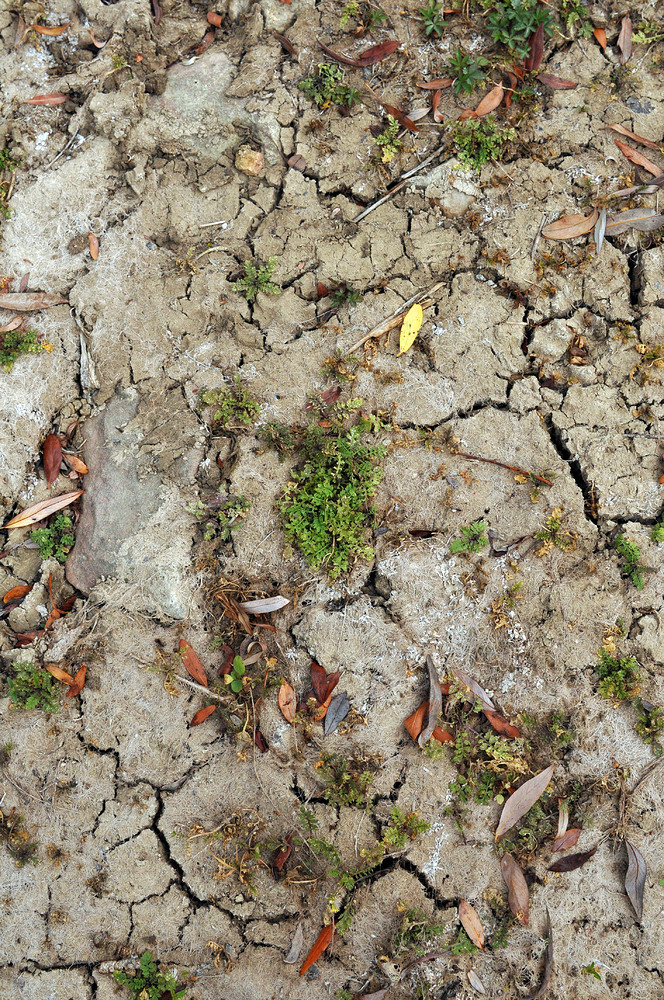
(265, 605)
(635, 878)
(296, 945)
(346, 60)
(202, 714)
(600, 37)
(286, 45)
(572, 861)
(30, 301)
(490, 102)
(39, 511)
(435, 704)
(17, 593)
(645, 220)
(466, 681)
(441, 735)
(400, 116)
(51, 31)
(93, 245)
(564, 841)
(600, 230)
(415, 721)
(323, 684)
(634, 136)
(79, 681)
(438, 116)
(523, 799)
(47, 100)
(517, 888)
(214, 18)
(75, 463)
(52, 458)
(13, 324)
(287, 702)
(417, 114)
(640, 159)
(323, 941)
(471, 923)
(207, 41)
(625, 39)
(571, 226)
(440, 84)
(59, 674)
(377, 53)
(192, 664)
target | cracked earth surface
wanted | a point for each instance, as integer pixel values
(111, 786)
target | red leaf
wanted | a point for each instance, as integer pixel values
(208, 39)
(566, 840)
(415, 721)
(284, 854)
(48, 100)
(556, 82)
(322, 682)
(509, 83)
(214, 18)
(227, 661)
(79, 681)
(202, 714)
(397, 113)
(322, 290)
(625, 39)
(26, 638)
(331, 395)
(287, 702)
(534, 57)
(490, 102)
(600, 36)
(501, 725)
(323, 941)
(438, 116)
(17, 593)
(634, 136)
(377, 52)
(192, 664)
(261, 742)
(572, 861)
(52, 457)
(59, 673)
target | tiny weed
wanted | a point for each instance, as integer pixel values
(462, 945)
(56, 540)
(467, 72)
(532, 830)
(233, 405)
(33, 687)
(575, 18)
(648, 32)
(513, 22)
(657, 533)
(7, 167)
(341, 366)
(344, 995)
(388, 142)
(414, 933)
(256, 279)
(150, 984)
(591, 970)
(631, 566)
(5, 754)
(552, 535)
(480, 140)
(308, 819)
(365, 16)
(473, 538)
(347, 783)
(236, 677)
(619, 676)
(278, 436)
(343, 295)
(221, 518)
(21, 848)
(649, 724)
(119, 62)
(325, 88)
(17, 342)
(433, 20)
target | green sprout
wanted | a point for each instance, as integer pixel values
(148, 983)
(619, 676)
(233, 404)
(432, 16)
(479, 140)
(473, 538)
(14, 343)
(235, 678)
(631, 566)
(467, 72)
(33, 687)
(388, 142)
(256, 279)
(56, 540)
(325, 88)
(514, 22)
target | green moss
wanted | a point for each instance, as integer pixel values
(17, 342)
(57, 539)
(33, 687)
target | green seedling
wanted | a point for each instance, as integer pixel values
(591, 970)
(347, 783)
(631, 566)
(343, 295)
(473, 538)
(57, 540)
(553, 536)
(33, 687)
(433, 20)
(366, 16)
(513, 22)
(575, 18)
(462, 945)
(657, 533)
(220, 521)
(649, 724)
(415, 933)
(17, 342)
(467, 72)
(648, 32)
(233, 404)
(479, 140)
(235, 678)
(149, 983)
(619, 676)
(325, 88)
(388, 142)
(7, 167)
(257, 278)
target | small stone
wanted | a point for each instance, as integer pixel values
(249, 161)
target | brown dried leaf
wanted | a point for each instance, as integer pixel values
(471, 923)
(93, 245)
(346, 60)
(438, 116)
(26, 638)
(214, 18)
(435, 703)
(79, 681)
(52, 32)
(633, 135)
(377, 53)
(475, 981)
(441, 735)
(39, 511)
(440, 84)
(75, 463)
(47, 101)
(548, 963)
(30, 301)
(645, 220)
(202, 714)
(323, 941)
(415, 721)
(523, 799)
(501, 725)
(52, 458)
(296, 946)
(635, 878)
(488, 103)
(207, 41)
(534, 58)
(400, 116)
(625, 39)
(59, 673)
(556, 82)
(570, 226)
(286, 45)
(572, 861)
(517, 888)
(640, 159)
(192, 664)
(283, 854)
(564, 841)
(323, 684)
(466, 681)
(17, 593)
(287, 702)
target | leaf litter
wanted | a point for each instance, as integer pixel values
(635, 878)
(523, 799)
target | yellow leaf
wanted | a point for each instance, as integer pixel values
(410, 328)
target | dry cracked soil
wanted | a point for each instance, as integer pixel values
(154, 835)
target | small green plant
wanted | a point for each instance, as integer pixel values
(575, 18)
(343, 295)
(473, 538)
(619, 676)
(657, 533)
(388, 142)
(235, 678)
(5, 754)
(221, 518)
(467, 72)
(513, 22)
(480, 140)
(433, 20)
(553, 536)
(344, 995)
(150, 984)
(591, 970)
(347, 783)
(325, 88)
(21, 848)
(648, 32)
(57, 539)
(233, 404)
(366, 16)
(631, 566)
(649, 724)
(462, 945)
(7, 167)
(17, 342)
(33, 687)
(414, 933)
(257, 278)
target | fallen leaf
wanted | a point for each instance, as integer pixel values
(26, 638)
(52, 458)
(572, 861)
(490, 102)
(377, 53)
(421, 533)
(600, 230)
(475, 982)
(523, 799)
(79, 681)
(434, 705)
(633, 135)
(297, 162)
(265, 605)
(251, 650)
(283, 854)
(625, 39)
(286, 45)
(635, 878)
(501, 725)
(323, 684)
(208, 39)
(336, 713)
(400, 115)
(97, 45)
(511, 81)
(640, 159)
(416, 114)
(93, 245)
(47, 100)
(415, 721)
(75, 463)
(440, 84)
(441, 735)
(410, 328)
(39, 511)
(202, 714)
(556, 82)
(18, 593)
(548, 962)
(29, 301)
(438, 116)
(52, 32)
(192, 664)
(571, 226)
(296, 945)
(467, 682)
(214, 18)
(600, 36)
(287, 702)
(346, 60)
(323, 941)
(564, 841)
(260, 741)
(331, 395)
(471, 923)
(59, 673)
(645, 220)
(535, 55)
(13, 324)
(157, 11)
(517, 888)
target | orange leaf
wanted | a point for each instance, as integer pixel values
(471, 923)
(52, 458)
(214, 18)
(58, 673)
(634, 156)
(415, 721)
(556, 82)
(57, 29)
(440, 84)
(17, 593)
(323, 941)
(634, 136)
(570, 226)
(93, 244)
(79, 681)
(501, 725)
(192, 664)
(287, 703)
(322, 711)
(600, 36)
(202, 714)
(75, 463)
(438, 116)
(441, 735)
(48, 100)
(490, 102)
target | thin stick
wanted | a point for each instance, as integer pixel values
(504, 465)
(199, 687)
(399, 186)
(394, 320)
(533, 249)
